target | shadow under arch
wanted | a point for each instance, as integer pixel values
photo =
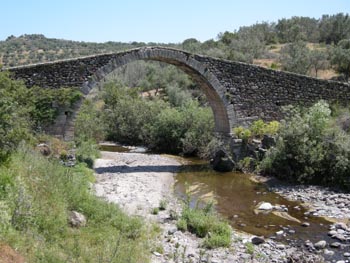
(195, 66)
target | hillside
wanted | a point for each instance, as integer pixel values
(29, 49)
(304, 45)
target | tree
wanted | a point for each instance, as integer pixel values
(334, 28)
(318, 60)
(297, 28)
(341, 58)
(191, 45)
(295, 57)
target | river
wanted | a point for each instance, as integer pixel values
(236, 197)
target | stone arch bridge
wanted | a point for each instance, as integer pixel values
(237, 92)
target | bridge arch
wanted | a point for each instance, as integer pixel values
(193, 65)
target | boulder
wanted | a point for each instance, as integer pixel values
(222, 162)
(77, 219)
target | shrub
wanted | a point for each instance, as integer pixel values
(310, 148)
(14, 115)
(242, 133)
(163, 204)
(87, 152)
(155, 211)
(89, 124)
(135, 120)
(201, 222)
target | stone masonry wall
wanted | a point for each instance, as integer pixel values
(256, 92)
(238, 93)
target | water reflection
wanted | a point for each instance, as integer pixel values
(236, 197)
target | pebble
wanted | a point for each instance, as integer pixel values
(346, 254)
(320, 244)
(335, 244)
(280, 246)
(156, 254)
(332, 233)
(305, 224)
(328, 252)
(340, 237)
(279, 233)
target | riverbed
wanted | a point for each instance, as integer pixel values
(138, 182)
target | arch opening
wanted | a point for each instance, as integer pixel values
(197, 70)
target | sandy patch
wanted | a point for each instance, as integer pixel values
(135, 181)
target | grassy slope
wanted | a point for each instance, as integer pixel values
(36, 197)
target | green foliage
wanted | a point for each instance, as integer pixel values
(37, 196)
(295, 57)
(318, 60)
(87, 152)
(311, 148)
(341, 58)
(155, 211)
(132, 119)
(242, 133)
(297, 28)
(163, 204)
(249, 248)
(89, 123)
(271, 128)
(126, 114)
(14, 115)
(202, 221)
(46, 103)
(23, 110)
(257, 129)
(334, 28)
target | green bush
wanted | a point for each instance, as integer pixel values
(311, 148)
(14, 115)
(135, 120)
(87, 152)
(242, 133)
(89, 123)
(204, 221)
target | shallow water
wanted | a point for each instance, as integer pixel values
(236, 197)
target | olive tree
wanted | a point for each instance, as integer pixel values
(341, 58)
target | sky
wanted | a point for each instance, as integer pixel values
(160, 21)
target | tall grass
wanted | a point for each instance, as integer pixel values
(205, 224)
(36, 197)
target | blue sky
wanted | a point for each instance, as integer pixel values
(149, 20)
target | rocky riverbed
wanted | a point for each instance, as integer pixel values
(139, 182)
(331, 204)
